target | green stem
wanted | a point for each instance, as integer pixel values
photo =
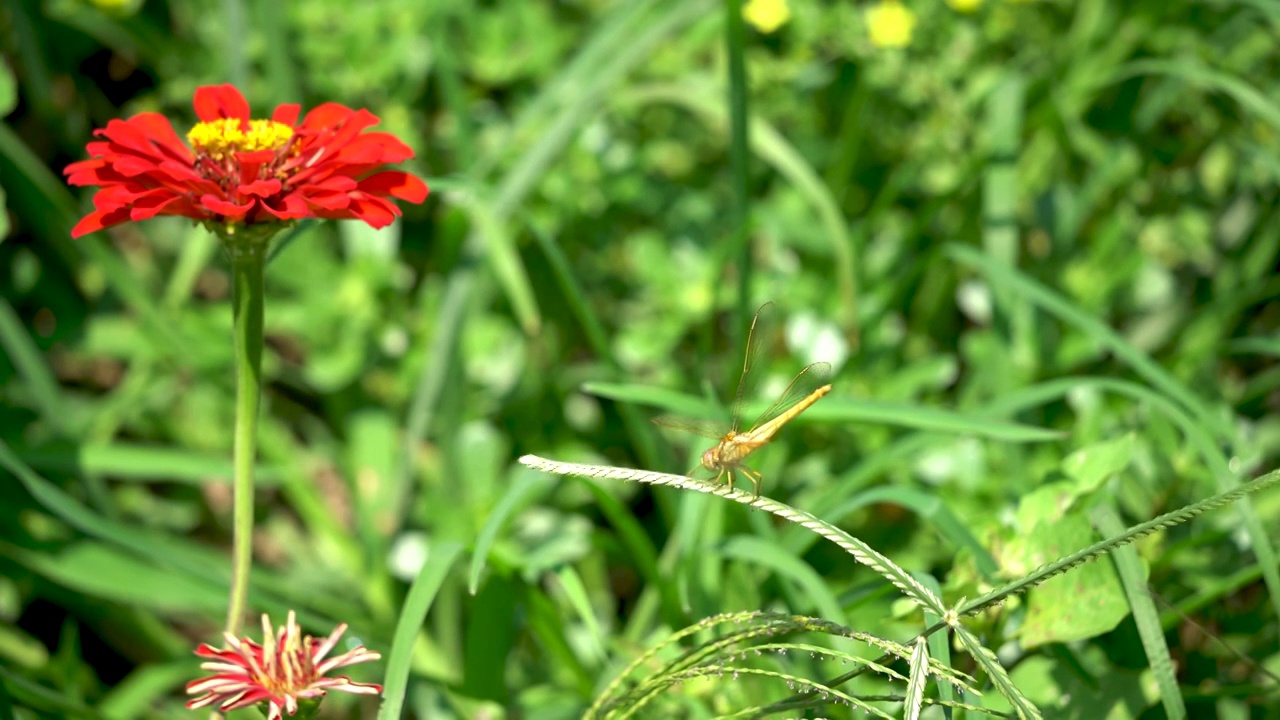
(248, 263)
(739, 159)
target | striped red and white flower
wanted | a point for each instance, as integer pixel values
(285, 668)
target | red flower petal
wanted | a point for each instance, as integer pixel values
(215, 102)
(286, 113)
(374, 210)
(397, 184)
(117, 195)
(227, 209)
(209, 651)
(99, 220)
(134, 166)
(159, 134)
(156, 204)
(330, 115)
(330, 167)
(187, 180)
(292, 207)
(327, 201)
(260, 188)
(85, 172)
(146, 134)
(375, 148)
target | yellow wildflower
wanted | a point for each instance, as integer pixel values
(766, 15)
(117, 7)
(889, 23)
(964, 6)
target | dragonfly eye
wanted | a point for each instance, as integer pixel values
(709, 460)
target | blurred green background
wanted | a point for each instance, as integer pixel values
(1028, 235)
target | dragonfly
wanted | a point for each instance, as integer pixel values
(726, 457)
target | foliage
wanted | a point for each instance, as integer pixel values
(1038, 243)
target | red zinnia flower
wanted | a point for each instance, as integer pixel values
(240, 171)
(285, 668)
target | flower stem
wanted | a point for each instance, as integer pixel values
(248, 264)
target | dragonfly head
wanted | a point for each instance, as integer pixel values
(711, 458)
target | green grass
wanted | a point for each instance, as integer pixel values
(1038, 244)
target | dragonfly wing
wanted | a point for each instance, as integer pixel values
(762, 326)
(705, 428)
(802, 385)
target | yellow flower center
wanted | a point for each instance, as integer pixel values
(220, 139)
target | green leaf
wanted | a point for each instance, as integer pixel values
(1080, 604)
(30, 364)
(8, 99)
(525, 484)
(107, 573)
(575, 591)
(373, 462)
(1093, 465)
(748, 548)
(4, 216)
(412, 616)
(144, 688)
(490, 635)
(1044, 504)
(834, 410)
(988, 661)
(127, 461)
(1133, 575)
(1117, 694)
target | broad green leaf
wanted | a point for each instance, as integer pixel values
(1045, 504)
(1093, 465)
(1081, 603)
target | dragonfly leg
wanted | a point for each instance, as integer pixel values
(755, 480)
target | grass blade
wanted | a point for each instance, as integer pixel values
(1133, 577)
(914, 700)
(29, 362)
(989, 663)
(757, 551)
(412, 616)
(517, 493)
